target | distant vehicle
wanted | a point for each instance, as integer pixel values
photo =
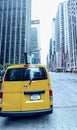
(1, 75)
(59, 70)
(26, 90)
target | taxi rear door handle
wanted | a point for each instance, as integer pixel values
(34, 92)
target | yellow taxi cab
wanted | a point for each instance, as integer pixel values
(26, 90)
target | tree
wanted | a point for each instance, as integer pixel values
(1, 66)
(7, 65)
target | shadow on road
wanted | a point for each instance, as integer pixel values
(27, 122)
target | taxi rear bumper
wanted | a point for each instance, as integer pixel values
(27, 113)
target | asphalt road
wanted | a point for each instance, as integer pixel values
(64, 115)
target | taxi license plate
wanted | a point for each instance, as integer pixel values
(34, 97)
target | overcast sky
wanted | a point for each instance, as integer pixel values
(45, 11)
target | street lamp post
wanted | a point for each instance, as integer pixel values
(25, 53)
(25, 57)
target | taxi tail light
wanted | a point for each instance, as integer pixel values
(26, 65)
(51, 95)
(1, 95)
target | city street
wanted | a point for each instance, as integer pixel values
(64, 115)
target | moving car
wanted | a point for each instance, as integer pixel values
(26, 90)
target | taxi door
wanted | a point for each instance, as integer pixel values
(11, 90)
(35, 93)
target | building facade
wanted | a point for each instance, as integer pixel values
(66, 55)
(66, 35)
(59, 36)
(72, 14)
(35, 42)
(52, 47)
(15, 17)
(63, 37)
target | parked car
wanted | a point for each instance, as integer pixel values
(1, 75)
(26, 90)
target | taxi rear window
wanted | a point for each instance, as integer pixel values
(24, 74)
(13, 75)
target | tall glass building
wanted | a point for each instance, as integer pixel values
(14, 16)
(35, 42)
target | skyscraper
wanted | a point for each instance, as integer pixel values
(35, 41)
(72, 6)
(59, 37)
(62, 36)
(15, 18)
